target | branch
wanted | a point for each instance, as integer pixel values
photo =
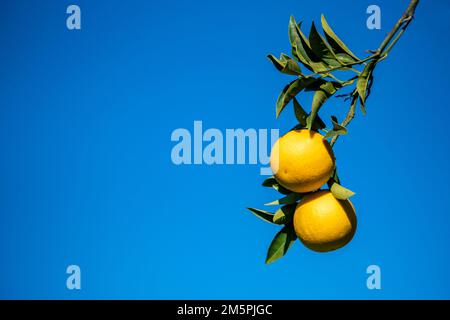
(403, 23)
(345, 65)
(387, 44)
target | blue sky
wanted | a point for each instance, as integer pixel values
(86, 176)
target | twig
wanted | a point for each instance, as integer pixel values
(405, 19)
(324, 72)
(380, 54)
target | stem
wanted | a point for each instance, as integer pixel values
(355, 71)
(402, 22)
(391, 39)
(345, 65)
(394, 41)
(334, 78)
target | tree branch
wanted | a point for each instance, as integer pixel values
(402, 22)
(391, 39)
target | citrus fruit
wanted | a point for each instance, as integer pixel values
(324, 223)
(302, 161)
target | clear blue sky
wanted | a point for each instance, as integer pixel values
(86, 174)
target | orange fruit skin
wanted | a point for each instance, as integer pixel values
(324, 223)
(302, 161)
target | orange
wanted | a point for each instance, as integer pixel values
(324, 223)
(302, 161)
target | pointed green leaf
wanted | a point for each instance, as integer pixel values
(278, 64)
(302, 117)
(290, 91)
(281, 243)
(363, 80)
(291, 65)
(344, 58)
(289, 199)
(269, 182)
(298, 50)
(362, 105)
(314, 84)
(336, 43)
(341, 193)
(265, 215)
(300, 113)
(318, 123)
(325, 91)
(362, 85)
(273, 183)
(316, 64)
(321, 48)
(285, 65)
(301, 48)
(284, 214)
(337, 129)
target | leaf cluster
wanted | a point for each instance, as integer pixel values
(316, 60)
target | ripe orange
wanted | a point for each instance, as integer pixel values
(302, 161)
(324, 223)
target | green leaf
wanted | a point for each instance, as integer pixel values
(318, 123)
(291, 64)
(298, 50)
(363, 82)
(300, 113)
(290, 91)
(270, 182)
(289, 199)
(278, 64)
(301, 48)
(314, 84)
(285, 65)
(362, 105)
(284, 214)
(325, 91)
(265, 215)
(338, 46)
(341, 193)
(337, 129)
(273, 183)
(321, 48)
(344, 58)
(281, 243)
